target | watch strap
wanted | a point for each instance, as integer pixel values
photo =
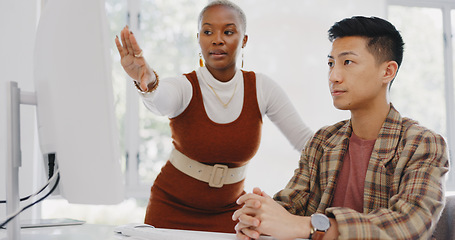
(317, 235)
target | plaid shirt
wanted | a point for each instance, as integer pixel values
(404, 190)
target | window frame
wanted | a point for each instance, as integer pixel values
(134, 188)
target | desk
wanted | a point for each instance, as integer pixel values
(97, 232)
(77, 232)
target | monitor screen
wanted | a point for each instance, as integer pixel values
(75, 105)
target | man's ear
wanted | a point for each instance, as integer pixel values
(390, 71)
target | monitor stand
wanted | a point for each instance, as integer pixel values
(14, 156)
(15, 99)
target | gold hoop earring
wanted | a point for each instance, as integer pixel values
(201, 62)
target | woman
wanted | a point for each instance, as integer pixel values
(215, 117)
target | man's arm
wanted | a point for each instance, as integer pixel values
(411, 210)
(416, 193)
(302, 187)
(260, 214)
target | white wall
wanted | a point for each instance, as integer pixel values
(17, 25)
(288, 42)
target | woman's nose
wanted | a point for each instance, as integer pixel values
(217, 39)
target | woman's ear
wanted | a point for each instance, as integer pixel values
(245, 39)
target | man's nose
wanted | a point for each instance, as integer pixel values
(335, 75)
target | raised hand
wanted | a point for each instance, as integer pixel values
(132, 60)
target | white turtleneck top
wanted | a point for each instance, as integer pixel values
(173, 95)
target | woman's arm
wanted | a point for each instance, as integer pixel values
(170, 98)
(280, 110)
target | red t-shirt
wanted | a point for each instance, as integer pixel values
(351, 179)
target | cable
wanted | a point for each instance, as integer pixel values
(12, 216)
(51, 165)
(31, 195)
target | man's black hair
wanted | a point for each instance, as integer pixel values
(385, 42)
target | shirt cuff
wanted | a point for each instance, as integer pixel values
(151, 86)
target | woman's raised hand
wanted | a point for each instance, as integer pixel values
(132, 60)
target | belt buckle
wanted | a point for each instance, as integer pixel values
(219, 173)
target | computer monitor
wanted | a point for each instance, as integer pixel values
(75, 104)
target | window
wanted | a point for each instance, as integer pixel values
(166, 31)
(424, 88)
(169, 38)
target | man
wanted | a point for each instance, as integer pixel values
(374, 176)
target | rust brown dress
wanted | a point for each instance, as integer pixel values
(179, 201)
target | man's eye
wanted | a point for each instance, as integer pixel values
(347, 62)
(228, 32)
(330, 64)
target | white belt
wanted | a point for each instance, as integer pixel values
(216, 176)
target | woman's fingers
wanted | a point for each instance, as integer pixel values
(137, 51)
(128, 37)
(122, 37)
(119, 47)
(132, 60)
(129, 45)
(125, 37)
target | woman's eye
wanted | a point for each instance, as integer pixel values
(207, 32)
(330, 64)
(228, 32)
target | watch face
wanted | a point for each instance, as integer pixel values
(320, 222)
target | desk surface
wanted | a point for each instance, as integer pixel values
(96, 232)
(79, 232)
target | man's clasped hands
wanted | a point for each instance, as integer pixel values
(262, 215)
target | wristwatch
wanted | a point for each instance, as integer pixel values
(320, 223)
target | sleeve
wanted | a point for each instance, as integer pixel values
(295, 197)
(283, 114)
(415, 208)
(171, 97)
